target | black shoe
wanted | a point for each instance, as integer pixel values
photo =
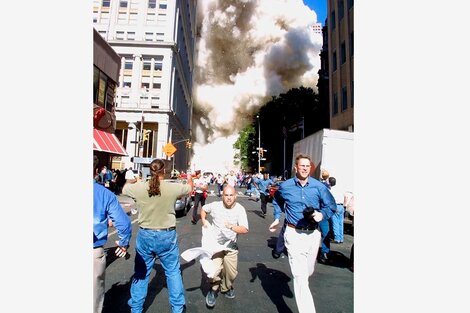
(275, 254)
(336, 242)
(193, 222)
(211, 298)
(323, 258)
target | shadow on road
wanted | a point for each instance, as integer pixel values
(115, 299)
(275, 285)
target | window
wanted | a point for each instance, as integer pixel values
(152, 4)
(105, 3)
(340, 9)
(343, 52)
(333, 20)
(120, 35)
(102, 33)
(351, 44)
(128, 65)
(130, 35)
(157, 86)
(146, 65)
(157, 66)
(335, 104)
(127, 84)
(151, 18)
(145, 85)
(335, 65)
(350, 3)
(104, 17)
(162, 6)
(123, 4)
(95, 20)
(148, 36)
(122, 18)
(344, 99)
(133, 18)
(160, 36)
(352, 94)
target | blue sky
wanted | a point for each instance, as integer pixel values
(319, 6)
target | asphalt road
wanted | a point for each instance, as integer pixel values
(263, 284)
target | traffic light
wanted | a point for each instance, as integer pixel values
(188, 144)
(145, 135)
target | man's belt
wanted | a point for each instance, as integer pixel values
(160, 229)
(301, 228)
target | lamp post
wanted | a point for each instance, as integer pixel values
(135, 142)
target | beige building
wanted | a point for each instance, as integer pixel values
(155, 40)
(341, 63)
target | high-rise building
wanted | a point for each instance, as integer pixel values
(341, 63)
(317, 28)
(155, 40)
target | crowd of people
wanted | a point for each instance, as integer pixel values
(309, 207)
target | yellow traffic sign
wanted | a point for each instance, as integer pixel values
(169, 149)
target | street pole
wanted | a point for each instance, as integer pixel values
(259, 143)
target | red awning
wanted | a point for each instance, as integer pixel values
(107, 142)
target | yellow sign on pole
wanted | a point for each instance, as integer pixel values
(169, 149)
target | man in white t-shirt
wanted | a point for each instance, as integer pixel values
(231, 179)
(228, 219)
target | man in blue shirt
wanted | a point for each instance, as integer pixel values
(305, 202)
(263, 186)
(105, 206)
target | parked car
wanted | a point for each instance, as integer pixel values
(183, 204)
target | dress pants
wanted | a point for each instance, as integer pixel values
(226, 263)
(302, 247)
(99, 270)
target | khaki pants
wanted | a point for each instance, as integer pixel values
(99, 268)
(226, 263)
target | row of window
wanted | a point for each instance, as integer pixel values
(340, 12)
(344, 100)
(104, 89)
(130, 18)
(343, 52)
(152, 4)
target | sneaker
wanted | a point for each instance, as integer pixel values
(230, 294)
(275, 254)
(211, 298)
(323, 258)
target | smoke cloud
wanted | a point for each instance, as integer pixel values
(247, 52)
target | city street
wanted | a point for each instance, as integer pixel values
(263, 284)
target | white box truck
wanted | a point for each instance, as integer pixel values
(332, 150)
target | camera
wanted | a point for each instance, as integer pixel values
(307, 212)
(232, 245)
(308, 215)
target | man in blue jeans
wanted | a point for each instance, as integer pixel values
(157, 236)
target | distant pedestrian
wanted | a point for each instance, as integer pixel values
(200, 192)
(324, 225)
(157, 237)
(305, 201)
(229, 219)
(337, 220)
(106, 207)
(263, 186)
(220, 184)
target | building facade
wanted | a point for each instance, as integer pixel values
(106, 68)
(341, 63)
(155, 40)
